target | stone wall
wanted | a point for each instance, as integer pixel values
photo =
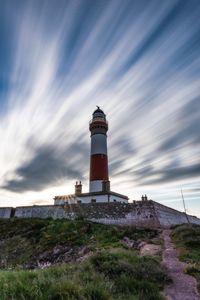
(107, 213)
(141, 213)
(168, 216)
(5, 212)
(43, 212)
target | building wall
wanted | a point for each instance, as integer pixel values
(118, 199)
(107, 213)
(168, 216)
(95, 185)
(5, 212)
(46, 211)
(88, 199)
(98, 198)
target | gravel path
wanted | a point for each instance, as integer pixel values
(184, 287)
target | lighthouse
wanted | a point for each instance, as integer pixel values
(99, 184)
(99, 178)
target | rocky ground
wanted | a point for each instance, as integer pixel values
(184, 287)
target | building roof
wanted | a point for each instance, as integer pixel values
(98, 110)
(73, 196)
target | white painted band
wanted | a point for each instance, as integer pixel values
(96, 186)
(98, 144)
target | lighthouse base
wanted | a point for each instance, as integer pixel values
(95, 186)
(98, 197)
(99, 186)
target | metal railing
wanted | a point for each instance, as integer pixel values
(98, 120)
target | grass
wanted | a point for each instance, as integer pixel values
(187, 239)
(111, 273)
(104, 276)
(37, 236)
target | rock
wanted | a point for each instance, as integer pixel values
(150, 249)
(44, 265)
(130, 244)
(84, 251)
(84, 254)
(61, 253)
(58, 249)
(141, 244)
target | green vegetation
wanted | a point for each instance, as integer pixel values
(187, 239)
(104, 276)
(22, 240)
(108, 272)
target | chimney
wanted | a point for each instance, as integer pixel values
(78, 188)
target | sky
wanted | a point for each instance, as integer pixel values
(138, 60)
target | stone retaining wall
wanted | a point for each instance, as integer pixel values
(168, 216)
(5, 212)
(141, 213)
(108, 213)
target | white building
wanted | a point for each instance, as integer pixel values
(92, 197)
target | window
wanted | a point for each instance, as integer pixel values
(114, 200)
(79, 201)
(93, 200)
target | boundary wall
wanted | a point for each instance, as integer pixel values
(142, 213)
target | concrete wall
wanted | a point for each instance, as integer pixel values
(141, 213)
(107, 213)
(168, 216)
(5, 212)
(43, 212)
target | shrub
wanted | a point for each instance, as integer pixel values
(97, 291)
(66, 290)
(131, 274)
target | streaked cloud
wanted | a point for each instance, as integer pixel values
(138, 60)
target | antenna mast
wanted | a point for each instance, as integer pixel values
(184, 206)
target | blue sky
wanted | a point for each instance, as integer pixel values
(138, 60)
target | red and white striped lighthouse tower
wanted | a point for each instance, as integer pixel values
(99, 190)
(99, 179)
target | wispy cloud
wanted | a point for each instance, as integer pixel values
(139, 60)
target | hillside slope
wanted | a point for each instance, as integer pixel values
(85, 261)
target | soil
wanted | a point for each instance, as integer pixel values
(184, 287)
(150, 249)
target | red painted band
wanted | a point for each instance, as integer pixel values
(98, 167)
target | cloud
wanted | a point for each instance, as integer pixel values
(171, 174)
(138, 60)
(46, 168)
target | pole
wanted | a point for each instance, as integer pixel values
(184, 207)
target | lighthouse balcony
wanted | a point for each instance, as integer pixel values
(98, 124)
(102, 120)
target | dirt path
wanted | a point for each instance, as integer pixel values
(184, 287)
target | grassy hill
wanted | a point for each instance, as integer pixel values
(85, 261)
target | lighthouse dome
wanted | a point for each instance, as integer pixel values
(98, 110)
(98, 113)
